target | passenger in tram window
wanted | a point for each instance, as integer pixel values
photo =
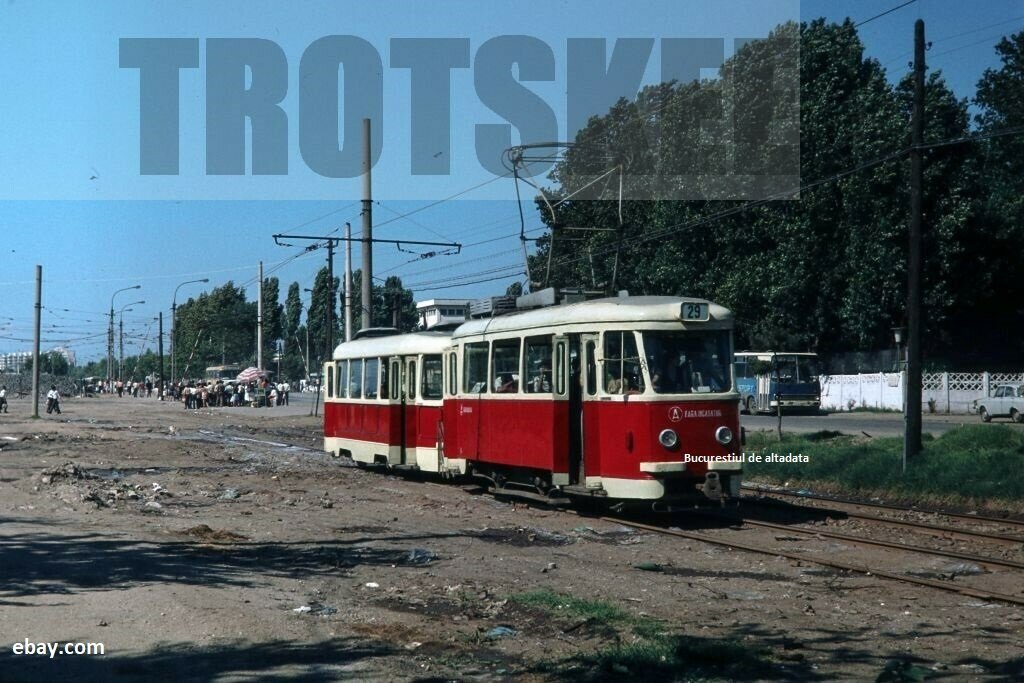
(506, 384)
(613, 383)
(542, 382)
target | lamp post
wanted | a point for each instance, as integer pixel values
(120, 322)
(174, 324)
(110, 334)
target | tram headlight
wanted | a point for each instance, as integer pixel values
(723, 435)
(668, 438)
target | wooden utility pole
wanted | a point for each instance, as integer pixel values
(35, 342)
(912, 435)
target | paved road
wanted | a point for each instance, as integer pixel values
(875, 424)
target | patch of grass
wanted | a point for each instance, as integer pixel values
(646, 647)
(971, 463)
(594, 610)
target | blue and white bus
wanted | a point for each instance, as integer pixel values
(766, 379)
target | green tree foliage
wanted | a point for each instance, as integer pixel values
(294, 335)
(217, 326)
(388, 298)
(826, 269)
(316, 319)
(273, 319)
(994, 253)
(52, 363)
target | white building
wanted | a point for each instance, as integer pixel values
(14, 362)
(434, 312)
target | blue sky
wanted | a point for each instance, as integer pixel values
(72, 198)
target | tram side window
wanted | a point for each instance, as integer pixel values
(474, 378)
(330, 382)
(505, 366)
(453, 373)
(432, 375)
(355, 380)
(370, 371)
(412, 379)
(560, 368)
(384, 378)
(591, 369)
(538, 365)
(341, 384)
(622, 368)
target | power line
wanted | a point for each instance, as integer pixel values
(882, 14)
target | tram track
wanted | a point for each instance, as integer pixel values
(947, 586)
(763, 491)
(937, 530)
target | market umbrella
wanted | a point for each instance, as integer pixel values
(250, 374)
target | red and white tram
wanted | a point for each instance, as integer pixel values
(624, 399)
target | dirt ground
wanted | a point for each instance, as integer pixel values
(221, 544)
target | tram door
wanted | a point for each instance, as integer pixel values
(410, 411)
(582, 385)
(397, 379)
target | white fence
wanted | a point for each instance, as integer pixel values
(941, 392)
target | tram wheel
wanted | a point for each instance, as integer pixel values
(751, 405)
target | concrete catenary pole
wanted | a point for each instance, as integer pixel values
(367, 284)
(259, 323)
(35, 344)
(348, 282)
(912, 436)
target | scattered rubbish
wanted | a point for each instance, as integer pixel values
(420, 556)
(501, 632)
(229, 494)
(413, 645)
(103, 623)
(750, 595)
(326, 503)
(964, 569)
(153, 505)
(317, 609)
(68, 470)
(372, 584)
(551, 565)
(205, 533)
(649, 567)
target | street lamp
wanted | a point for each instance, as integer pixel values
(120, 322)
(174, 325)
(110, 334)
(897, 337)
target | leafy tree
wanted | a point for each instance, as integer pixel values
(389, 298)
(273, 315)
(316, 319)
(293, 365)
(215, 327)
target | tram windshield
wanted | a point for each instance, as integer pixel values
(688, 362)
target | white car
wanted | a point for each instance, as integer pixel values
(1007, 400)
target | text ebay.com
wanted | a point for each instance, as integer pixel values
(53, 649)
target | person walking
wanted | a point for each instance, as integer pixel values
(3, 399)
(53, 400)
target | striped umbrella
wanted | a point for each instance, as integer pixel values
(250, 374)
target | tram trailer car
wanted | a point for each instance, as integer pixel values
(627, 400)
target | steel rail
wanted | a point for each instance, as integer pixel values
(835, 564)
(977, 559)
(933, 529)
(884, 506)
